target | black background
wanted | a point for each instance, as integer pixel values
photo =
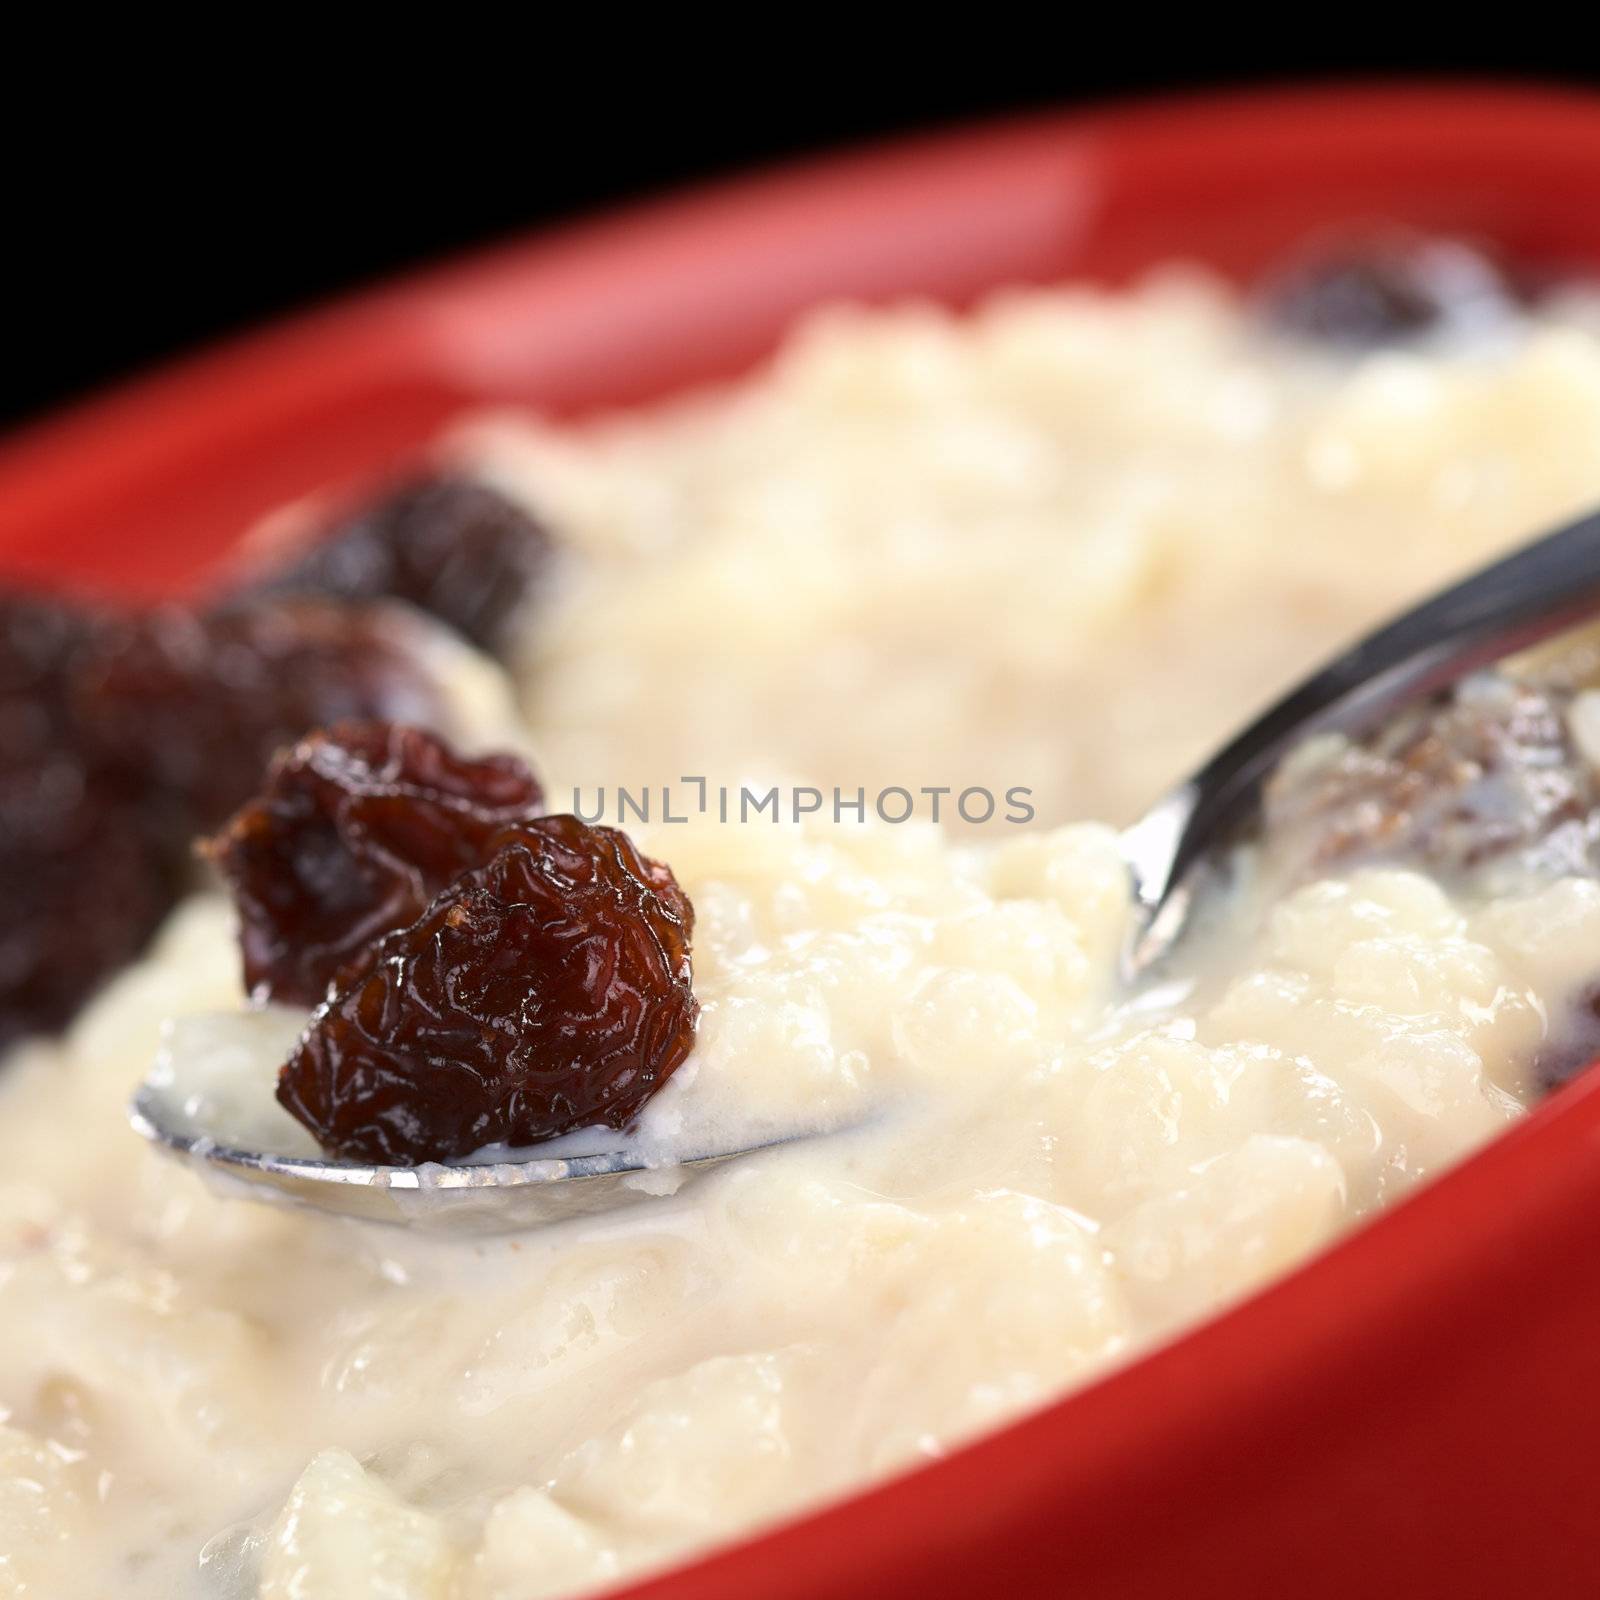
(189, 203)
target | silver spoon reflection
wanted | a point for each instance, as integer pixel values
(459, 1197)
(1542, 590)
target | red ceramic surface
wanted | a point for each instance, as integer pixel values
(1418, 1412)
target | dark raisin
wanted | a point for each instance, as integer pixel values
(1487, 773)
(40, 636)
(356, 830)
(1363, 293)
(545, 991)
(194, 706)
(452, 547)
(74, 917)
(84, 877)
(41, 640)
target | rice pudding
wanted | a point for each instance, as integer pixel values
(1062, 547)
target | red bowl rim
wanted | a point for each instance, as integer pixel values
(386, 365)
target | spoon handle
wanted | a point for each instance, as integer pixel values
(1538, 591)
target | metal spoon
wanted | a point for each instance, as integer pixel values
(474, 1198)
(1541, 590)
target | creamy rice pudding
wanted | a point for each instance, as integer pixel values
(1064, 545)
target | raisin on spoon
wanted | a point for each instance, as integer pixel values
(545, 991)
(355, 831)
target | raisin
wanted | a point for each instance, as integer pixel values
(40, 642)
(40, 636)
(1389, 288)
(195, 706)
(84, 876)
(452, 547)
(545, 991)
(120, 738)
(357, 829)
(1482, 775)
(74, 917)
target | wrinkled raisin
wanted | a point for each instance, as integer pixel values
(1363, 293)
(356, 830)
(545, 991)
(452, 547)
(84, 876)
(195, 706)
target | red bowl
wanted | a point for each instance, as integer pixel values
(1417, 1409)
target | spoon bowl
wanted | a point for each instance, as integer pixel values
(480, 1197)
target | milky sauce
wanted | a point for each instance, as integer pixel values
(1065, 545)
